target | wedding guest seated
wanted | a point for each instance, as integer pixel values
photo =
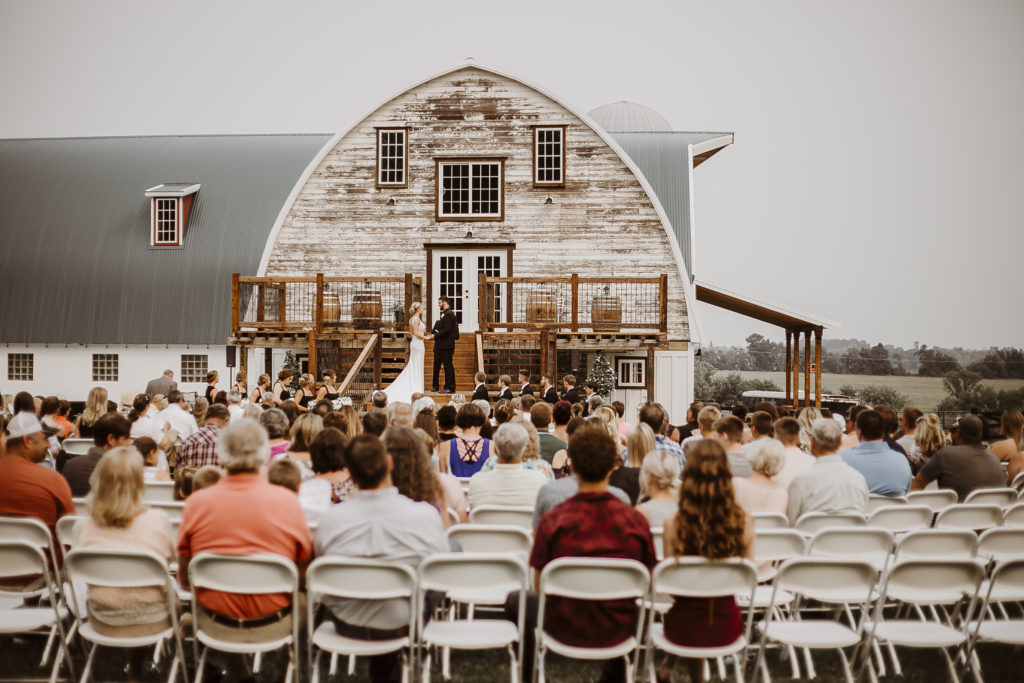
(469, 451)
(886, 471)
(379, 399)
(654, 416)
(305, 429)
(729, 433)
(531, 456)
(830, 485)
(964, 466)
(331, 484)
(795, 461)
(400, 414)
(198, 450)
(243, 514)
(1011, 426)
(413, 473)
(286, 473)
(446, 423)
(706, 419)
(758, 493)
(377, 522)
(659, 481)
(109, 431)
(26, 488)
(509, 483)
(375, 421)
(761, 427)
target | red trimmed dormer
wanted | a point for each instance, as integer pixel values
(169, 207)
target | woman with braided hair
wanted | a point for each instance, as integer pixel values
(710, 524)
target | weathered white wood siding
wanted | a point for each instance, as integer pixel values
(601, 223)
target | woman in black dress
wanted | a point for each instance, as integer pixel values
(262, 385)
(281, 393)
(211, 386)
(329, 387)
(306, 392)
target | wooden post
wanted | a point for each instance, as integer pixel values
(509, 308)
(261, 301)
(482, 302)
(319, 306)
(283, 301)
(378, 353)
(796, 368)
(408, 294)
(817, 368)
(311, 348)
(789, 356)
(575, 302)
(663, 303)
(268, 363)
(243, 366)
(543, 351)
(235, 312)
(649, 373)
(807, 368)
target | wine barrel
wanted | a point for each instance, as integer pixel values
(606, 313)
(366, 309)
(332, 308)
(542, 307)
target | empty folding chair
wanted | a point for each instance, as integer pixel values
(1002, 545)
(159, 492)
(125, 570)
(770, 520)
(696, 577)
(999, 496)
(901, 518)
(876, 501)
(1013, 516)
(1018, 484)
(492, 538)
(65, 530)
(245, 575)
(1007, 577)
(932, 584)
(358, 579)
(451, 572)
(503, 514)
(977, 517)
(937, 544)
(173, 509)
(599, 579)
(811, 523)
(834, 582)
(938, 499)
(77, 446)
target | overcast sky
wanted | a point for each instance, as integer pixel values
(877, 177)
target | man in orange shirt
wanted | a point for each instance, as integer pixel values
(243, 514)
(26, 488)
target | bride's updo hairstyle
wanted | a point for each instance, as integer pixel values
(416, 306)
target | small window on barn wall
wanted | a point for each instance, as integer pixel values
(170, 205)
(193, 367)
(392, 156)
(470, 190)
(631, 373)
(104, 367)
(21, 367)
(549, 156)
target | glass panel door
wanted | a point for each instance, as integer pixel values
(456, 275)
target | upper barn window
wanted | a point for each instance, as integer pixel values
(170, 204)
(549, 155)
(470, 190)
(392, 157)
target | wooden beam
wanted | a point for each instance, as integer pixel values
(283, 302)
(378, 353)
(796, 369)
(482, 301)
(235, 308)
(408, 295)
(312, 353)
(243, 367)
(663, 301)
(575, 302)
(807, 368)
(789, 356)
(319, 305)
(543, 352)
(817, 368)
(371, 343)
(480, 352)
(649, 373)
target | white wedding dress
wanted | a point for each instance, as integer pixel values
(410, 380)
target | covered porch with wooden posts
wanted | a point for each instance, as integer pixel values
(357, 325)
(795, 324)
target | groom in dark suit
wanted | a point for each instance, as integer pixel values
(444, 334)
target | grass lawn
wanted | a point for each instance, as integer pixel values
(924, 392)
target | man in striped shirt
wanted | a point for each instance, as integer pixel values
(199, 449)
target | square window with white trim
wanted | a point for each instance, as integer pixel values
(165, 222)
(194, 367)
(549, 156)
(470, 190)
(632, 373)
(21, 367)
(392, 155)
(104, 367)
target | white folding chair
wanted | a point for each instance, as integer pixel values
(834, 582)
(876, 501)
(516, 515)
(811, 523)
(770, 520)
(357, 579)
(900, 519)
(696, 577)
(997, 546)
(65, 530)
(592, 578)
(976, 517)
(932, 584)
(658, 536)
(126, 569)
(21, 558)
(158, 492)
(1013, 516)
(245, 575)
(997, 496)
(77, 446)
(81, 506)
(1018, 483)
(956, 544)
(450, 572)
(870, 544)
(174, 509)
(492, 538)
(464, 483)
(1007, 577)
(937, 499)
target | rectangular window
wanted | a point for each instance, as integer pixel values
(165, 222)
(21, 367)
(392, 152)
(631, 372)
(549, 155)
(470, 190)
(104, 367)
(193, 367)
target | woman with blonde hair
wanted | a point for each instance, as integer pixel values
(199, 409)
(806, 418)
(119, 520)
(758, 493)
(928, 438)
(306, 392)
(639, 443)
(410, 379)
(95, 408)
(211, 385)
(262, 386)
(610, 419)
(328, 386)
(659, 479)
(304, 430)
(710, 524)
(355, 425)
(1012, 428)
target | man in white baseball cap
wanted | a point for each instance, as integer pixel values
(26, 488)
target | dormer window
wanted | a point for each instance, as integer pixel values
(170, 204)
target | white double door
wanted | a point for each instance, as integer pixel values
(456, 274)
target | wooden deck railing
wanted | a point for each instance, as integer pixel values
(321, 303)
(573, 303)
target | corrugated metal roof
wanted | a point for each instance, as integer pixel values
(662, 158)
(77, 267)
(625, 115)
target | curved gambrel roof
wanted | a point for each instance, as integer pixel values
(695, 331)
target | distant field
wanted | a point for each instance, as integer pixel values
(924, 392)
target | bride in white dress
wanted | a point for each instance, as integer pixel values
(410, 381)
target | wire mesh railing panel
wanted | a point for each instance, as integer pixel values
(364, 305)
(271, 304)
(506, 354)
(619, 304)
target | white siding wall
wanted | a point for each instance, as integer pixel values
(673, 382)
